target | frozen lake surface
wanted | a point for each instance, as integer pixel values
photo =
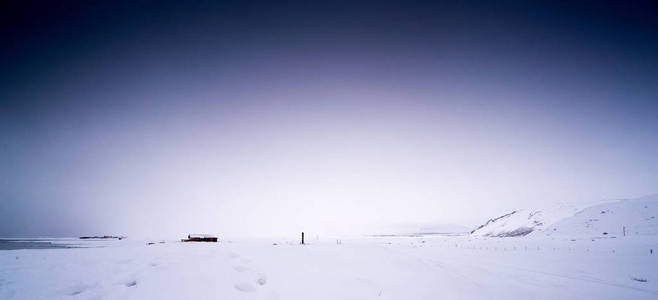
(16, 244)
(416, 267)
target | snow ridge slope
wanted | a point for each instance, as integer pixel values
(610, 220)
(607, 220)
(523, 222)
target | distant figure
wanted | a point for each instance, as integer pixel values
(188, 236)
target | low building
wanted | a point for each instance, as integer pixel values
(200, 238)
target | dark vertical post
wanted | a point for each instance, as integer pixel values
(624, 230)
(302, 238)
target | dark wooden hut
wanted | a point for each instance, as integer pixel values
(200, 238)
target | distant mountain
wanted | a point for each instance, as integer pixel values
(417, 228)
(612, 219)
(442, 228)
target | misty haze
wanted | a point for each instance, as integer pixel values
(328, 150)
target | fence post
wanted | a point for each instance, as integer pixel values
(302, 238)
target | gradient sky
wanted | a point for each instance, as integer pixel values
(154, 118)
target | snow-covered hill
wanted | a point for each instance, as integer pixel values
(523, 222)
(611, 219)
(614, 219)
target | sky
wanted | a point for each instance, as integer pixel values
(254, 118)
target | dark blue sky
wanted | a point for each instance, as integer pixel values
(323, 115)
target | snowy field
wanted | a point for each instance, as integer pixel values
(421, 267)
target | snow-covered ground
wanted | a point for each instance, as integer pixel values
(600, 252)
(429, 267)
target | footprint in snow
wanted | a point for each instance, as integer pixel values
(76, 289)
(262, 279)
(131, 283)
(245, 287)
